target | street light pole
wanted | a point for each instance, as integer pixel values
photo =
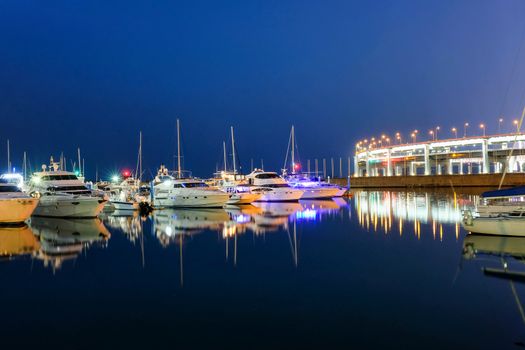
(465, 130)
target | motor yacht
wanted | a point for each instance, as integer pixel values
(188, 193)
(15, 205)
(313, 189)
(62, 194)
(236, 186)
(273, 186)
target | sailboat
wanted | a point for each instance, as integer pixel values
(313, 188)
(235, 184)
(182, 192)
(500, 212)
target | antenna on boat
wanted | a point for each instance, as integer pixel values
(179, 171)
(79, 163)
(224, 152)
(233, 152)
(25, 165)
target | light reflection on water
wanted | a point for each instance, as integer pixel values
(399, 211)
(352, 263)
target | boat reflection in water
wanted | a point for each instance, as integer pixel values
(168, 224)
(388, 210)
(502, 258)
(17, 241)
(62, 240)
(127, 221)
(259, 218)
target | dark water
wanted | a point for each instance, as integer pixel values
(383, 270)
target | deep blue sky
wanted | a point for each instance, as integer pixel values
(92, 74)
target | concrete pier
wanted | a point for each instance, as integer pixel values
(472, 180)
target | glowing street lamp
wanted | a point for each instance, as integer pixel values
(455, 131)
(437, 129)
(517, 125)
(500, 120)
(465, 126)
(413, 135)
(398, 137)
(482, 127)
(388, 140)
(431, 133)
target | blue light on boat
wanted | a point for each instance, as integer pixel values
(242, 219)
(307, 214)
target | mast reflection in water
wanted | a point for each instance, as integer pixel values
(381, 270)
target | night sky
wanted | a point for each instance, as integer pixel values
(91, 74)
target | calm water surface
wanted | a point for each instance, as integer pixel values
(381, 270)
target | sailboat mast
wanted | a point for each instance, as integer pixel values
(224, 151)
(293, 150)
(8, 158)
(179, 171)
(140, 156)
(233, 151)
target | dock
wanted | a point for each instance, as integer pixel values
(432, 181)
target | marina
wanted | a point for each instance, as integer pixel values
(262, 174)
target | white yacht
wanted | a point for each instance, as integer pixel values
(276, 189)
(62, 194)
(15, 206)
(188, 193)
(235, 185)
(313, 189)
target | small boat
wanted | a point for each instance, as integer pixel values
(494, 203)
(15, 205)
(504, 224)
(312, 187)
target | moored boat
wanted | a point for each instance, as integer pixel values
(15, 205)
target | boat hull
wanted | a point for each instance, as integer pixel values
(125, 205)
(498, 226)
(69, 207)
(192, 201)
(319, 193)
(16, 210)
(243, 198)
(281, 195)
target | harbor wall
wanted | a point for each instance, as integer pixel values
(472, 180)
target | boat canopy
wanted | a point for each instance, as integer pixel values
(509, 192)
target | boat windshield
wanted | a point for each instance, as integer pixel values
(267, 176)
(59, 177)
(194, 184)
(9, 188)
(276, 185)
